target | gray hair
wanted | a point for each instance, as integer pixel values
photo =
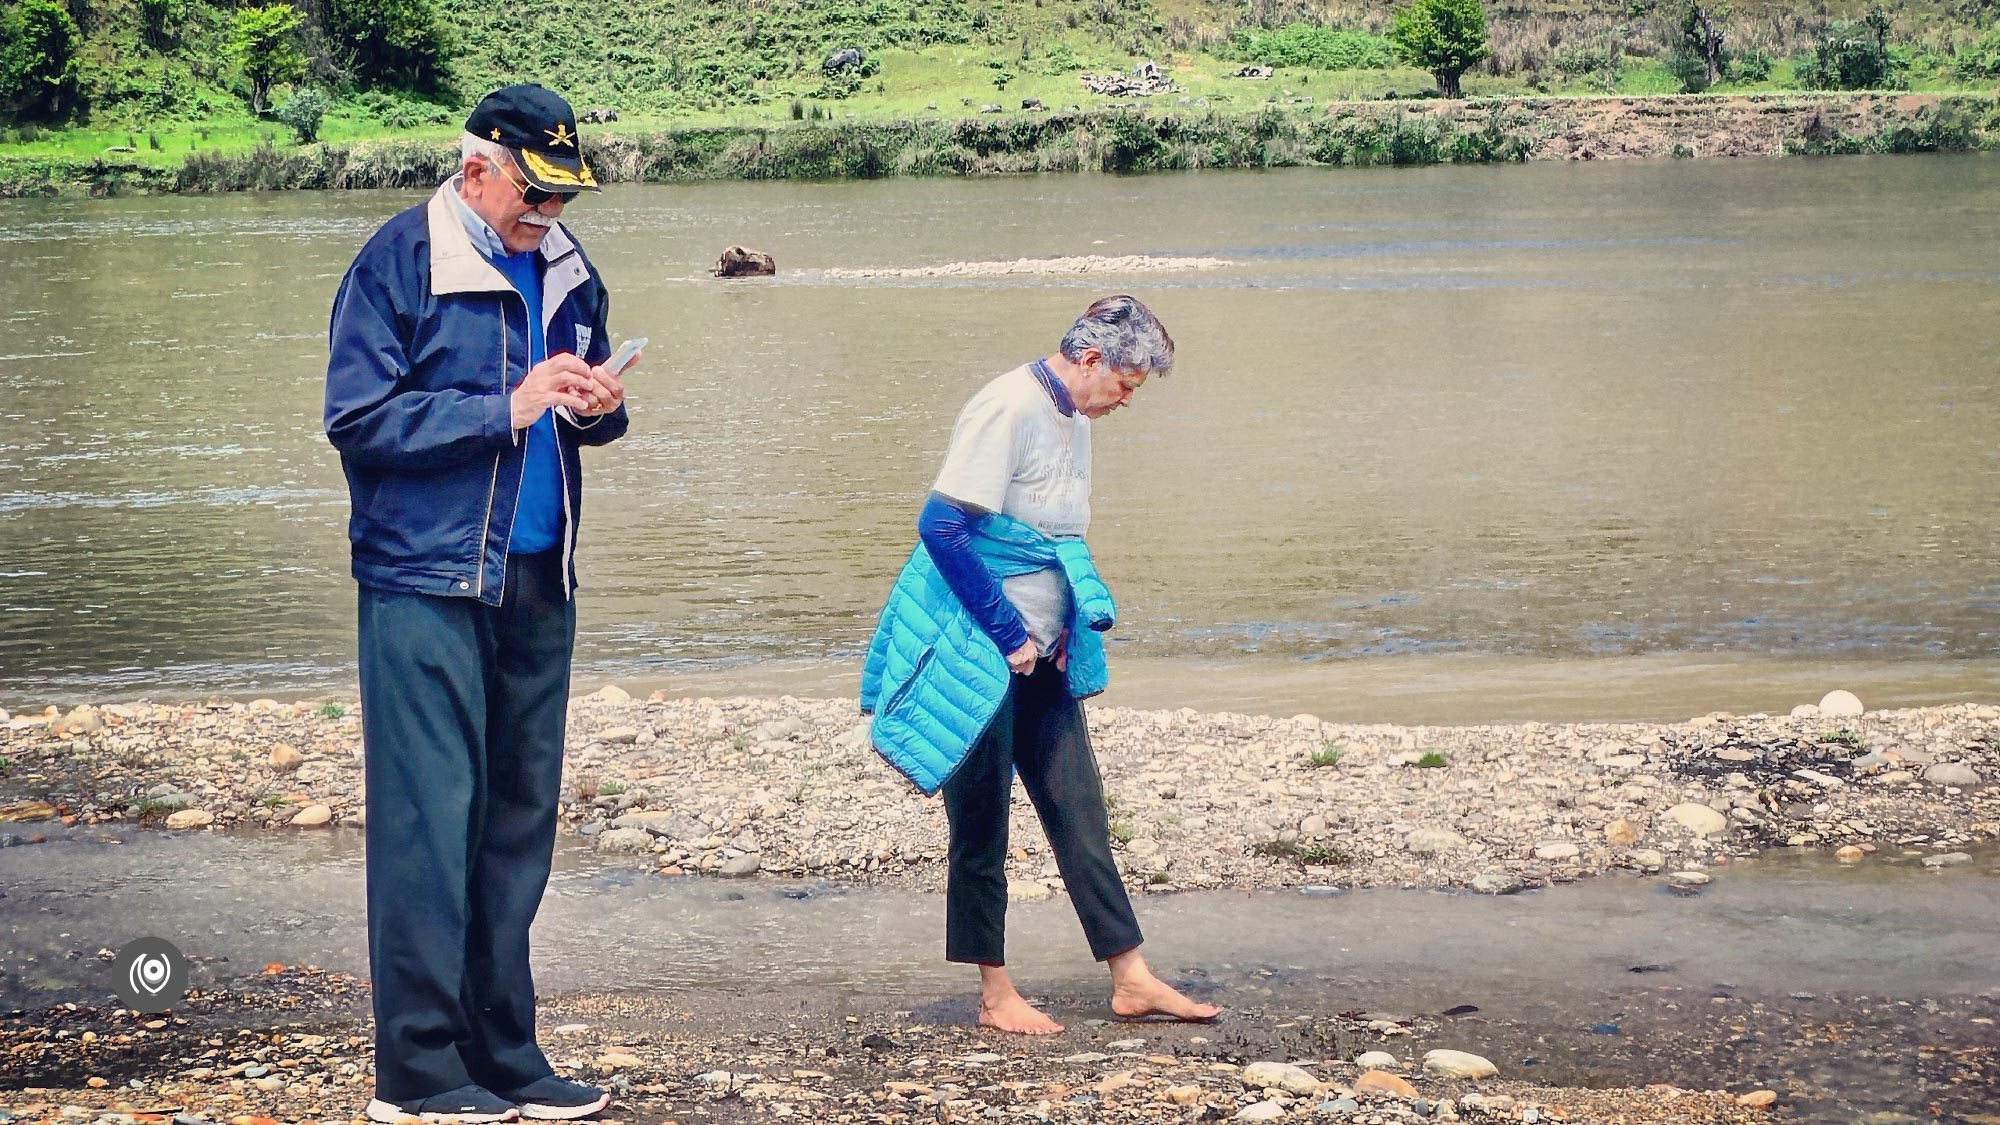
(1125, 333)
(494, 153)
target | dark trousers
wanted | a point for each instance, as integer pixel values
(1040, 731)
(462, 713)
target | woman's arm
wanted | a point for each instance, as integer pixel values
(945, 526)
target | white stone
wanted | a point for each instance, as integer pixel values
(624, 841)
(1377, 1060)
(312, 816)
(1805, 711)
(190, 818)
(1698, 819)
(1689, 879)
(1282, 1076)
(1430, 841)
(1952, 773)
(612, 693)
(1260, 1111)
(1556, 850)
(1459, 1064)
(1840, 705)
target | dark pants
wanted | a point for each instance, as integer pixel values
(462, 713)
(1040, 731)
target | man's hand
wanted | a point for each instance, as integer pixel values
(1022, 660)
(606, 391)
(560, 380)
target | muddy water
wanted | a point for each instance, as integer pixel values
(1452, 430)
(1600, 982)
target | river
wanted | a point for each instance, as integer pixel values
(1555, 441)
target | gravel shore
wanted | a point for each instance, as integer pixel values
(733, 787)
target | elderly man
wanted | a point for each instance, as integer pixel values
(989, 641)
(465, 371)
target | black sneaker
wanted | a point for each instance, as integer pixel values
(467, 1105)
(558, 1099)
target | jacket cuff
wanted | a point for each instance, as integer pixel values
(499, 424)
(567, 415)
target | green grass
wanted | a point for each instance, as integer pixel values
(1844, 736)
(332, 711)
(1326, 756)
(611, 787)
(1432, 760)
(273, 801)
(6, 764)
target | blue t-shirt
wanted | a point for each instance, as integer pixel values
(538, 517)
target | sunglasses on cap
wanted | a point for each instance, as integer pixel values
(530, 194)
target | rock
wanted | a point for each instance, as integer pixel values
(1897, 777)
(738, 261)
(1260, 1111)
(742, 867)
(285, 758)
(1496, 883)
(1376, 1060)
(1557, 850)
(1181, 1095)
(21, 811)
(313, 816)
(1622, 833)
(672, 825)
(1282, 1076)
(1698, 819)
(83, 720)
(1805, 711)
(615, 1059)
(612, 693)
(1145, 847)
(1032, 103)
(1430, 841)
(1689, 879)
(1850, 854)
(1086, 1057)
(844, 58)
(619, 736)
(1459, 1064)
(190, 818)
(1948, 859)
(1382, 1082)
(1840, 705)
(624, 841)
(1645, 859)
(1758, 1099)
(1952, 773)
(1026, 890)
(597, 115)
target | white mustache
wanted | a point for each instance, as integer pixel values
(537, 219)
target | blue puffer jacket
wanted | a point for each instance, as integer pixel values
(426, 341)
(933, 679)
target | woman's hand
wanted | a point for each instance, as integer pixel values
(1022, 660)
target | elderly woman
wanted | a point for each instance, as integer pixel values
(989, 642)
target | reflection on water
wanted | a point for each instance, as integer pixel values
(1556, 412)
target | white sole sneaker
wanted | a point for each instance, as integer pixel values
(388, 1113)
(534, 1112)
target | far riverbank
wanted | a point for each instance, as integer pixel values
(1348, 134)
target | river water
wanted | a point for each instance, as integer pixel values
(1555, 440)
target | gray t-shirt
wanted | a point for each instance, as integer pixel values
(1013, 452)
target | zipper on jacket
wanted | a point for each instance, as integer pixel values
(493, 483)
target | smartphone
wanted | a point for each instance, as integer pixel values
(626, 352)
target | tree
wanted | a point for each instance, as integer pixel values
(265, 43)
(1698, 51)
(38, 42)
(1445, 37)
(303, 111)
(396, 43)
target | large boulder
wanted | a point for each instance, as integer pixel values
(738, 261)
(844, 59)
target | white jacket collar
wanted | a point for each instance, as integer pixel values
(457, 266)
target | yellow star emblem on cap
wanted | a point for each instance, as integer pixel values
(560, 134)
(496, 134)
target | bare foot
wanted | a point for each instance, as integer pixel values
(1013, 1013)
(1139, 994)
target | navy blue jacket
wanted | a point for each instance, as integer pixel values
(426, 341)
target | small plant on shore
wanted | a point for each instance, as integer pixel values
(332, 711)
(1313, 854)
(586, 788)
(1122, 831)
(273, 801)
(1327, 755)
(6, 764)
(153, 808)
(1844, 736)
(612, 787)
(1432, 760)
(303, 111)
(132, 757)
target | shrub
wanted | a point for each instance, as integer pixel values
(1753, 64)
(1853, 56)
(1980, 61)
(1302, 44)
(38, 46)
(303, 111)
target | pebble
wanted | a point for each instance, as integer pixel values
(1948, 859)
(1376, 1060)
(1757, 1099)
(1698, 819)
(1260, 1111)
(1952, 773)
(1557, 850)
(1430, 841)
(741, 867)
(1382, 1082)
(190, 818)
(1690, 878)
(625, 841)
(312, 816)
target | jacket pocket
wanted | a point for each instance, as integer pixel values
(897, 698)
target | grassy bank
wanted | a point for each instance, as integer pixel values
(1360, 134)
